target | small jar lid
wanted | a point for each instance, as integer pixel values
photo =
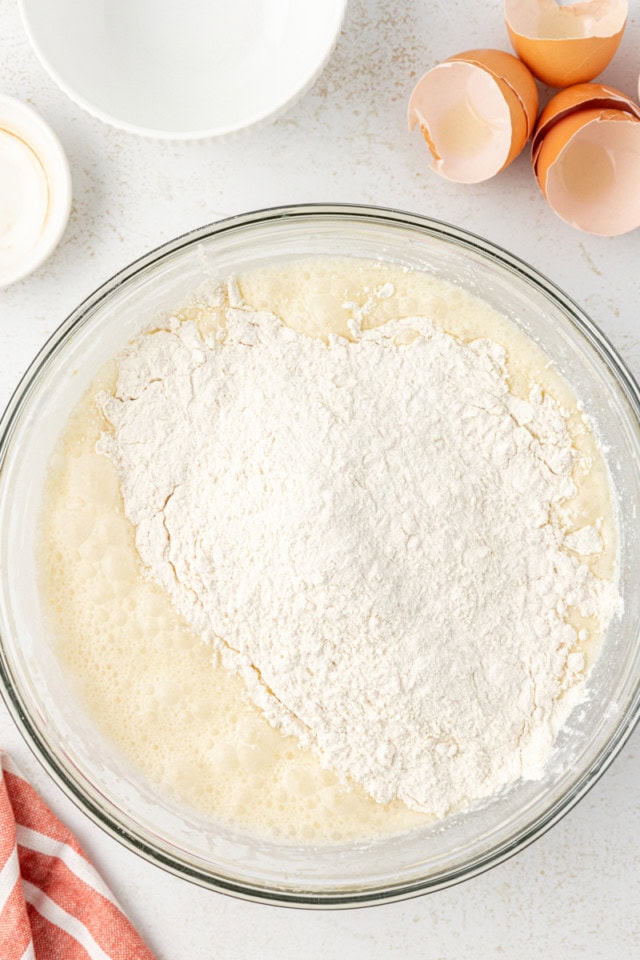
(35, 190)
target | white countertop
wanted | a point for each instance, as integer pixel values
(576, 891)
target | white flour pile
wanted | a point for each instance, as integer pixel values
(369, 533)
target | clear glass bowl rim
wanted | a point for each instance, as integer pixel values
(19, 400)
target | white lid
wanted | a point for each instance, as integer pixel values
(35, 190)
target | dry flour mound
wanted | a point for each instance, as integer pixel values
(367, 532)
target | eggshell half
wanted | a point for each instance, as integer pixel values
(582, 96)
(568, 44)
(476, 111)
(587, 168)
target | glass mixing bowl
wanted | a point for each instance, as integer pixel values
(90, 769)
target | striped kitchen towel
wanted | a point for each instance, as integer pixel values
(53, 903)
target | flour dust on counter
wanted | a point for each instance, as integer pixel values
(343, 548)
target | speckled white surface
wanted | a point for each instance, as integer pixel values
(576, 892)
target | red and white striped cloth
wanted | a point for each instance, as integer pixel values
(53, 903)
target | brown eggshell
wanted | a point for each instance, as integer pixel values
(565, 45)
(582, 96)
(587, 169)
(505, 80)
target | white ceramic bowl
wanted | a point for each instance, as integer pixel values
(179, 70)
(44, 222)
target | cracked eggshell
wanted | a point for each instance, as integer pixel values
(476, 111)
(579, 97)
(586, 157)
(564, 45)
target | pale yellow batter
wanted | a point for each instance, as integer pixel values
(144, 677)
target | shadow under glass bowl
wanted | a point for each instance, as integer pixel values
(90, 769)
